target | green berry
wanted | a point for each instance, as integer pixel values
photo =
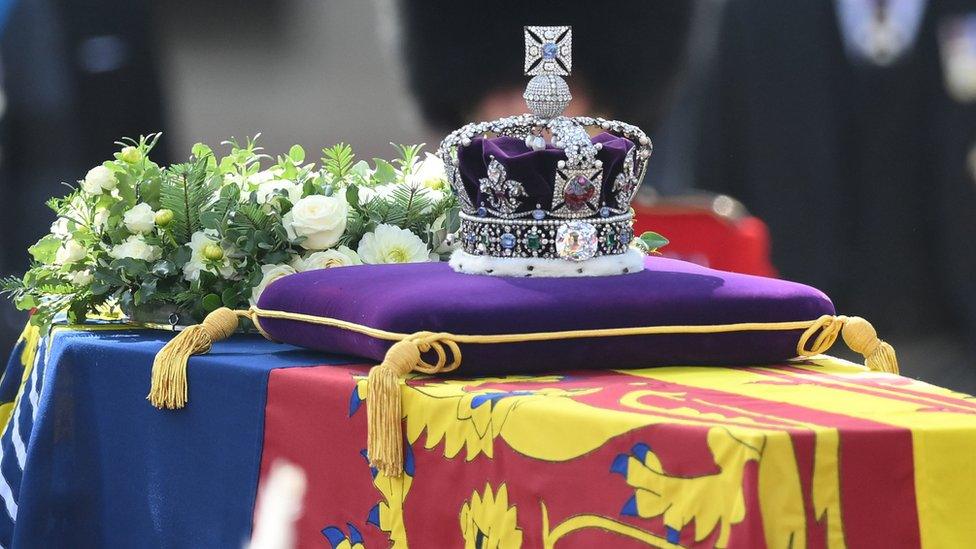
(163, 217)
(213, 252)
(131, 155)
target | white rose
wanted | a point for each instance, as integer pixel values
(70, 252)
(140, 219)
(339, 257)
(99, 179)
(271, 273)
(322, 219)
(391, 244)
(381, 191)
(266, 189)
(198, 241)
(252, 181)
(80, 209)
(60, 227)
(135, 247)
(100, 219)
(81, 278)
(428, 173)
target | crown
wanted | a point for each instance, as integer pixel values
(532, 206)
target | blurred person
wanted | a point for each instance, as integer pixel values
(77, 75)
(849, 126)
(463, 59)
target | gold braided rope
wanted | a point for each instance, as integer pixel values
(406, 355)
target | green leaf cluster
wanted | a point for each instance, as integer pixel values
(198, 235)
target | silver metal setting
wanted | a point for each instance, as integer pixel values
(503, 194)
(577, 180)
(525, 238)
(548, 50)
(626, 183)
(547, 95)
(497, 217)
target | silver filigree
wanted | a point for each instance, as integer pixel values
(493, 220)
(571, 136)
(548, 50)
(576, 193)
(626, 183)
(503, 195)
(449, 157)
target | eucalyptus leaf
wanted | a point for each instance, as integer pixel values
(385, 172)
(45, 249)
(352, 195)
(201, 150)
(297, 154)
(163, 268)
(229, 297)
(211, 302)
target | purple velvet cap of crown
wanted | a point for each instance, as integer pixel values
(407, 298)
(536, 170)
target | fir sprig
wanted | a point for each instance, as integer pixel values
(187, 190)
(337, 160)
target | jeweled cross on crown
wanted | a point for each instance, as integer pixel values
(548, 50)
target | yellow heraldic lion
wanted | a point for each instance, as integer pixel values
(487, 522)
(387, 515)
(710, 501)
(459, 414)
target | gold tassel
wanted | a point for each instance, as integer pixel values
(384, 410)
(168, 388)
(862, 338)
(859, 335)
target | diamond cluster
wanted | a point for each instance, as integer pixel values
(547, 95)
(576, 240)
(579, 222)
(548, 50)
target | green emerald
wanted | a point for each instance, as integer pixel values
(532, 241)
(611, 239)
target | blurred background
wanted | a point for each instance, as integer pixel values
(832, 142)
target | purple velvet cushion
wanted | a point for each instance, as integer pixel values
(432, 297)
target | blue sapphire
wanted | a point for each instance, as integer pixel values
(625, 236)
(482, 211)
(508, 241)
(549, 50)
(538, 214)
(604, 212)
(471, 238)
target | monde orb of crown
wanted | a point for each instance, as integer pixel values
(547, 95)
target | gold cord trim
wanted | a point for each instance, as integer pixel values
(542, 336)
(406, 355)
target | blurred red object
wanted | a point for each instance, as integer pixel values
(712, 230)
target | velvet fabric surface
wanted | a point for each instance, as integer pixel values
(407, 298)
(535, 170)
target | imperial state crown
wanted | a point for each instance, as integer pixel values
(539, 196)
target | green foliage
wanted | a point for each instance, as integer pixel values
(650, 242)
(195, 235)
(337, 161)
(187, 190)
(45, 249)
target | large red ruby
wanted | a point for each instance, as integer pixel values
(577, 192)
